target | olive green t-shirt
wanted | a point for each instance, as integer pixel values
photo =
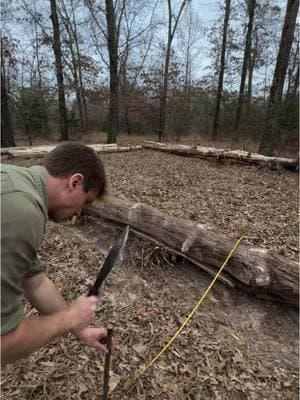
(24, 212)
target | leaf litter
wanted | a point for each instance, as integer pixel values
(236, 346)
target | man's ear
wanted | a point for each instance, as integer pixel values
(75, 180)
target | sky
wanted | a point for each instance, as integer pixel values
(206, 10)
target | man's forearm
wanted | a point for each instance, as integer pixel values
(33, 333)
(43, 295)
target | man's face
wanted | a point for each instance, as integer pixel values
(71, 200)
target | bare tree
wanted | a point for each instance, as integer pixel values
(295, 85)
(264, 40)
(7, 133)
(251, 66)
(124, 33)
(172, 26)
(75, 65)
(63, 119)
(81, 86)
(112, 43)
(189, 35)
(222, 69)
(289, 115)
(111, 36)
(270, 134)
(134, 48)
(293, 71)
(35, 21)
(251, 4)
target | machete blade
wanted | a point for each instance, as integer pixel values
(112, 258)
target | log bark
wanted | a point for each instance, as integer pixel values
(41, 151)
(256, 270)
(225, 154)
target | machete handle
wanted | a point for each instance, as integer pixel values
(93, 292)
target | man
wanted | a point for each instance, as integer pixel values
(71, 176)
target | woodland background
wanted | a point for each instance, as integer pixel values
(74, 68)
(122, 71)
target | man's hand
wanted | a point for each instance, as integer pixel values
(57, 318)
(82, 311)
(93, 337)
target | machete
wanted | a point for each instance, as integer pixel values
(113, 256)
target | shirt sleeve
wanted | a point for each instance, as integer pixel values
(22, 224)
(36, 267)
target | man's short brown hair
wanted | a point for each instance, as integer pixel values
(72, 158)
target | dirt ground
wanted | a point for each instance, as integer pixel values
(235, 347)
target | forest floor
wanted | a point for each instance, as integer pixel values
(236, 346)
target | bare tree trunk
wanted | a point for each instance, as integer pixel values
(292, 76)
(188, 73)
(270, 135)
(85, 108)
(63, 119)
(77, 89)
(28, 131)
(222, 69)
(37, 55)
(79, 100)
(252, 61)
(296, 84)
(187, 99)
(125, 100)
(124, 84)
(112, 42)
(290, 105)
(266, 80)
(81, 87)
(163, 98)
(7, 133)
(127, 121)
(247, 54)
(74, 68)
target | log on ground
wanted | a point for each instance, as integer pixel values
(41, 151)
(256, 270)
(225, 154)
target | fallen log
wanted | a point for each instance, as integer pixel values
(256, 270)
(41, 151)
(224, 154)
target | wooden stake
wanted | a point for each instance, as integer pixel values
(107, 363)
